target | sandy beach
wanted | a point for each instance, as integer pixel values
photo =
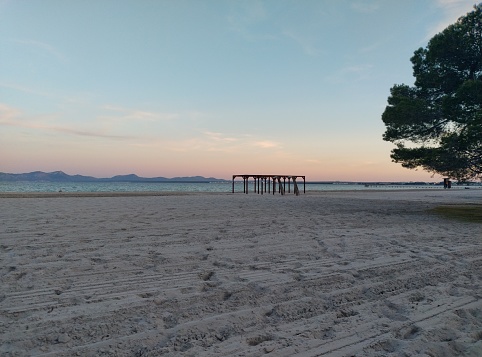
(372, 273)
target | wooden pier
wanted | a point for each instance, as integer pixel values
(268, 183)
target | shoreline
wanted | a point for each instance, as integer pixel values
(98, 194)
(71, 194)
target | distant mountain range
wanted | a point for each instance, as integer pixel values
(59, 176)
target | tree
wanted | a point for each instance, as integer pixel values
(437, 123)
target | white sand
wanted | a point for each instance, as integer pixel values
(332, 274)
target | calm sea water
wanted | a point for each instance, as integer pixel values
(185, 187)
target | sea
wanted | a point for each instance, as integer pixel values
(226, 187)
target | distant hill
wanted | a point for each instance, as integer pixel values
(59, 176)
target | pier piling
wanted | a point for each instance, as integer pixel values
(262, 183)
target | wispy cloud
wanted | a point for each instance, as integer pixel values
(14, 117)
(195, 115)
(371, 48)
(452, 10)
(365, 7)
(231, 142)
(130, 114)
(306, 44)
(220, 137)
(266, 144)
(65, 130)
(352, 73)
(210, 141)
(78, 132)
(239, 141)
(43, 47)
(28, 90)
(361, 68)
(247, 21)
(8, 113)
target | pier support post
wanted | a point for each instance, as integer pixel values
(262, 183)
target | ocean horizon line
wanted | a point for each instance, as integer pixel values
(60, 176)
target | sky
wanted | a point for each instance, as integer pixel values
(208, 87)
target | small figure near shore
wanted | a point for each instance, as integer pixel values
(447, 183)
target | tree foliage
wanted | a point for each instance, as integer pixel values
(437, 123)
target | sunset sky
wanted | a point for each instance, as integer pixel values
(208, 87)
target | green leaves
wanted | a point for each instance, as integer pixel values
(437, 124)
(410, 117)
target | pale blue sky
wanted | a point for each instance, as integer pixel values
(212, 88)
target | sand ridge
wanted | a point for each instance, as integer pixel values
(332, 273)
